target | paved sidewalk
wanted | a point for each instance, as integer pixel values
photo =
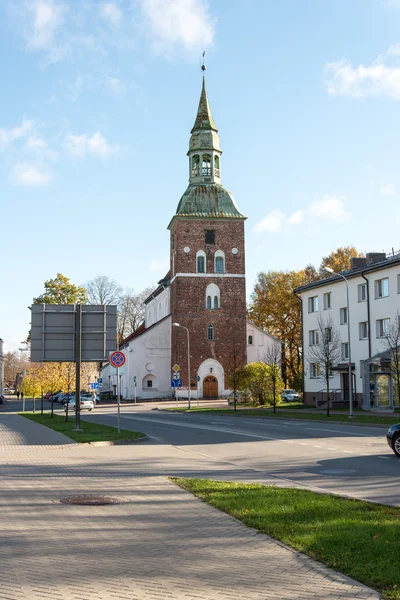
(159, 542)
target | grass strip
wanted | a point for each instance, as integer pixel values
(357, 538)
(92, 432)
(283, 414)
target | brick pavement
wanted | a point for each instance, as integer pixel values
(159, 542)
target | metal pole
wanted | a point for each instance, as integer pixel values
(118, 398)
(187, 331)
(78, 360)
(23, 403)
(348, 333)
(135, 389)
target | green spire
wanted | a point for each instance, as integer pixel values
(204, 119)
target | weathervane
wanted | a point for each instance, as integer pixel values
(203, 66)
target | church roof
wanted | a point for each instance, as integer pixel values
(208, 200)
(204, 119)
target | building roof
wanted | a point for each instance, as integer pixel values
(208, 200)
(389, 261)
(204, 118)
(161, 285)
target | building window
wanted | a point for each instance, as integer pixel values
(328, 335)
(314, 337)
(195, 165)
(216, 165)
(250, 340)
(382, 327)
(219, 262)
(201, 261)
(345, 350)
(210, 333)
(173, 241)
(363, 330)
(313, 304)
(210, 236)
(149, 383)
(362, 367)
(207, 171)
(314, 370)
(327, 301)
(382, 288)
(362, 292)
(213, 298)
(344, 316)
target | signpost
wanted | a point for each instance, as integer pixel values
(94, 386)
(176, 380)
(117, 359)
(134, 384)
(175, 383)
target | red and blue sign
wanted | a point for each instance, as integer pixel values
(117, 359)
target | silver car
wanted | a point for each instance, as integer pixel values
(86, 404)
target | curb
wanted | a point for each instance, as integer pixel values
(116, 442)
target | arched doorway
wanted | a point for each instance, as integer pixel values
(210, 387)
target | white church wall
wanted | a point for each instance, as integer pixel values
(157, 308)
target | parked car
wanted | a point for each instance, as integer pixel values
(290, 396)
(393, 438)
(93, 397)
(54, 396)
(86, 404)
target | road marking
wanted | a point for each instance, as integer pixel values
(347, 451)
(340, 431)
(315, 446)
(384, 457)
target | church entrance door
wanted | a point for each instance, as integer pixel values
(210, 387)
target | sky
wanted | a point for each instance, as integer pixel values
(96, 105)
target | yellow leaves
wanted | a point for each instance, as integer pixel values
(52, 377)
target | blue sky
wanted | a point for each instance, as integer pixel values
(96, 106)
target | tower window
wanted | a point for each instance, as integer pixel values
(195, 165)
(219, 262)
(208, 302)
(210, 333)
(213, 296)
(250, 341)
(216, 165)
(210, 236)
(206, 165)
(216, 302)
(173, 241)
(201, 261)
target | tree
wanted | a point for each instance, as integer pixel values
(273, 358)
(103, 290)
(392, 344)
(256, 378)
(61, 291)
(236, 364)
(338, 260)
(14, 363)
(325, 352)
(276, 309)
(131, 311)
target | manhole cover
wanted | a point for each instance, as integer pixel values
(90, 500)
(338, 471)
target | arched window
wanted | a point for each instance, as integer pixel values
(216, 165)
(219, 262)
(212, 296)
(250, 341)
(210, 333)
(149, 382)
(195, 165)
(201, 261)
(206, 165)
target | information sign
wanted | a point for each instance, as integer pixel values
(117, 359)
(176, 383)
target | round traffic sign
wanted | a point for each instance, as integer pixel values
(117, 359)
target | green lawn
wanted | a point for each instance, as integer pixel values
(357, 538)
(92, 432)
(359, 417)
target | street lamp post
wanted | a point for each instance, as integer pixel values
(188, 350)
(332, 272)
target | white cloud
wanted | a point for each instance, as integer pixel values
(273, 221)
(330, 208)
(115, 85)
(111, 13)
(173, 23)
(159, 264)
(31, 175)
(387, 190)
(36, 143)
(380, 78)
(43, 27)
(97, 145)
(9, 135)
(297, 217)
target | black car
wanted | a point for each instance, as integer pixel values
(393, 438)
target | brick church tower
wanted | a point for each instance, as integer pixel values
(207, 269)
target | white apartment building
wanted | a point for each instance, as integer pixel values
(374, 305)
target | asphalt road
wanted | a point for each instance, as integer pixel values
(346, 459)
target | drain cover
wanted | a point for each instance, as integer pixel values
(338, 471)
(90, 500)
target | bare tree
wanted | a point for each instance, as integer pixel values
(392, 344)
(14, 363)
(325, 351)
(131, 311)
(103, 290)
(273, 358)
